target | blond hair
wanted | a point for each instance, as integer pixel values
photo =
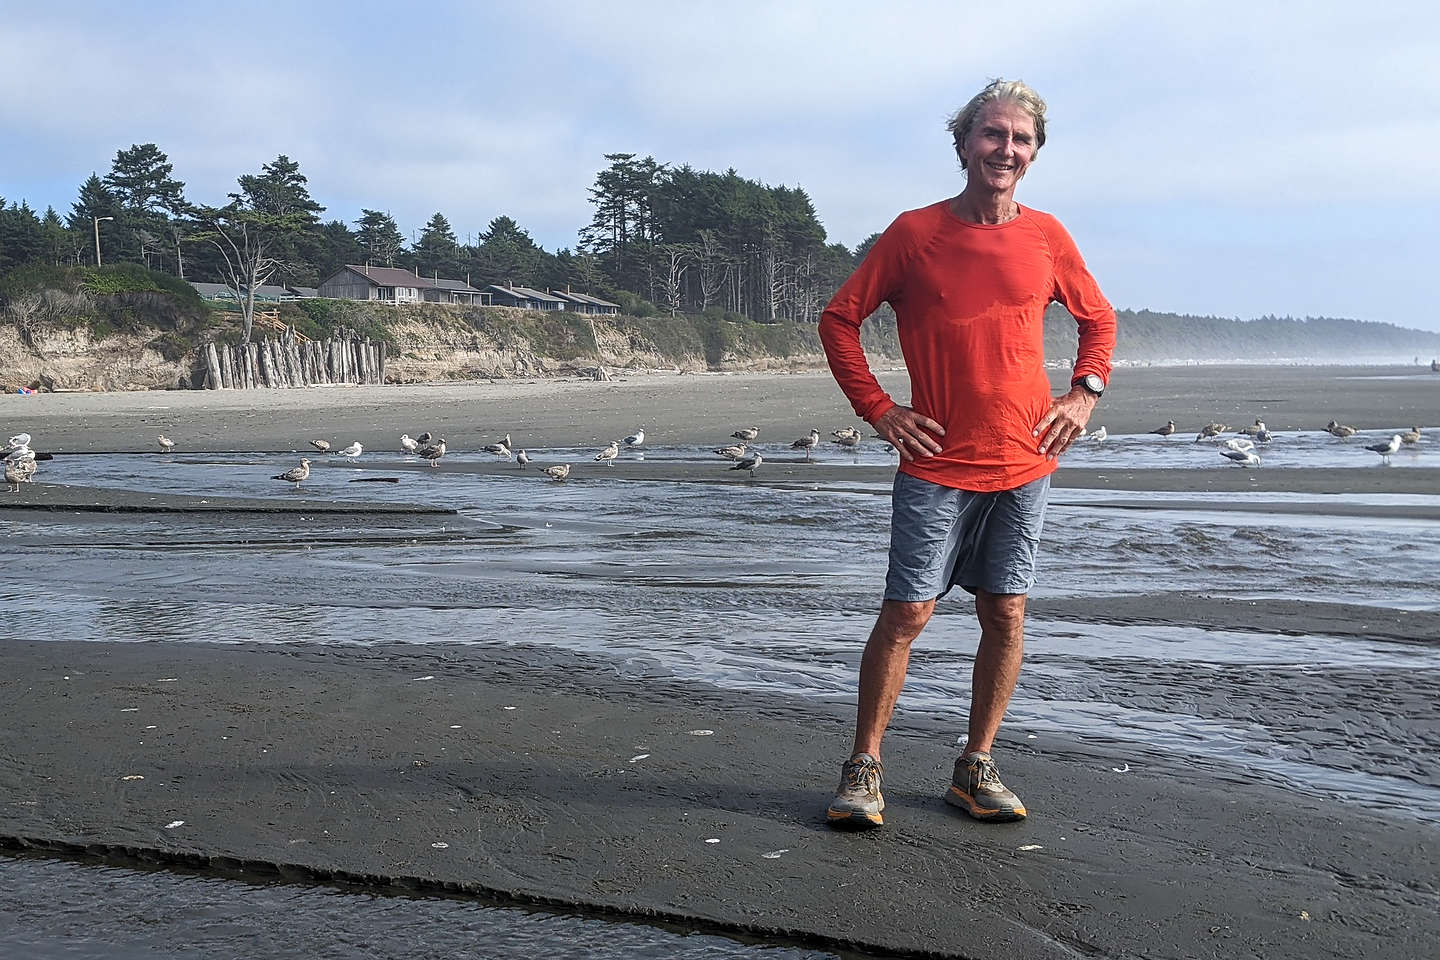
(1015, 91)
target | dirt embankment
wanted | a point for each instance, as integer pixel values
(430, 342)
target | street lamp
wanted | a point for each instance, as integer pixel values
(97, 237)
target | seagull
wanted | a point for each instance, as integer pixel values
(20, 454)
(1256, 430)
(558, 472)
(19, 440)
(1243, 458)
(16, 474)
(501, 449)
(735, 451)
(1411, 436)
(746, 433)
(609, 453)
(166, 444)
(1211, 429)
(431, 451)
(807, 443)
(1166, 430)
(295, 474)
(352, 451)
(407, 444)
(322, 445)
(424, 438)
(845, 433)
(1339, 430)
(636, 438)
(1238, 444)
(1099, 436)
(1263, 435)
(751, 463)
(1386, 448)
(522, 458)
(851, 442)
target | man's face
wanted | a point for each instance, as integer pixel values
(1000, 146)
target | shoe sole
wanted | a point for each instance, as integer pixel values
(959, 798)
(853, 819)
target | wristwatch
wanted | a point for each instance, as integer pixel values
(1091, 382)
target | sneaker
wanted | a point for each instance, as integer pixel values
(858, 802)
(976, 789)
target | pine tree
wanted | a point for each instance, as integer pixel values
(437, 252)
(380, 237)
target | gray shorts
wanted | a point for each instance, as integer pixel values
(941, 537)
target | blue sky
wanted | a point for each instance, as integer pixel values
(1234, 159)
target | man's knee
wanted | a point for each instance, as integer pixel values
(1001, 613)
(901, 621)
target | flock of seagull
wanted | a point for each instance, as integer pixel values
(1241, 449)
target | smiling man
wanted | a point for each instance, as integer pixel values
(969, 279)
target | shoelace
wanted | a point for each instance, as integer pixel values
(987, 772)
(858, 774)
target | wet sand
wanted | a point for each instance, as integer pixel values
(343, 764)
(548, 780)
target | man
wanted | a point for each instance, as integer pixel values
(969, 279)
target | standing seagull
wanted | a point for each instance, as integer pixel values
(807, 443)
(1099, 436)
(166, 444)
(322, 445)
(1166, 430)
(851, 442)
(15, 473)
(1411, 436)
(746, 434)
(352, 451)
(522, 458)
(408, 445)
(735, 451)
(1386, 448)
(19, 440)
(432, 451)
(558, 472)
(295, 474)
(636, 438)
(609, 454)
(751, 463)
(1254, 431)
(501, 449)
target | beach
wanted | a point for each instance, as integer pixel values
(628, 695)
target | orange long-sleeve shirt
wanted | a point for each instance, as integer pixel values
(970, 300)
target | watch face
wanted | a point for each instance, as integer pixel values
(1094, 384)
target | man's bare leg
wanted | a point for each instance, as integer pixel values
(997, 664)
(882, 669)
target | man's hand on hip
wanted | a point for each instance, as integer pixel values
(1065, 421)
(907, 432)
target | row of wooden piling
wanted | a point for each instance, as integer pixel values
(294, 361)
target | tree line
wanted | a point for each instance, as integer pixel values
(661, 238)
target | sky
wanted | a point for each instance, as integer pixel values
(1225, 159)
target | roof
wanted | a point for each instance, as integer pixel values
(268, 291)
(389, 276)
(532, 294)
(305, 291)
(459, 286)
(596, 301)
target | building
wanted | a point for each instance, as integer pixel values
(397, 285)
(525, 298)
(266, 293)
(584, 303)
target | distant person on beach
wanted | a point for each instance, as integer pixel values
(969, 279)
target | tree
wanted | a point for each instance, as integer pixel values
(96, 201)
(281, 190)
(437, 251)
(250, 241)
(146, 196)
(623, 226)
(379, 237)
(22, 236)
(507, 254)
